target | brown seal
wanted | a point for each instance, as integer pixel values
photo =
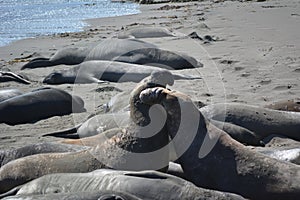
(229, 166)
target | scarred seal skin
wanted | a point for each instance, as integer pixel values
(229, 166)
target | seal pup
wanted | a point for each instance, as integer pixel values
(131, 148)
(261, 121)
(39, 104)
(228, 166)
(45, 147)
(9, 93)
(144, 185)
(97, 71)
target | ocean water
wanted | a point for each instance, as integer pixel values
(21, 19)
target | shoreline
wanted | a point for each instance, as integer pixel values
(256, 61)
(68, 18)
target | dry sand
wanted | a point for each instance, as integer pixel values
(256, 60)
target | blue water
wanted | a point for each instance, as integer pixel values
(21, 19)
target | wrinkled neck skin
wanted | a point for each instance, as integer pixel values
(142, 142)
(139, 112)
(214, 160)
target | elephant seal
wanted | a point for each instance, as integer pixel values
(287, 105)
(145, 32)
(131, 148)
(105, 195)
(140, 52)
(32, 149)
(143, 185)
(110, 49)
(228, 166)
(9, 93)
(67, 56)
(39, 104)
(261, 121)
(160, 58)
(97, 71)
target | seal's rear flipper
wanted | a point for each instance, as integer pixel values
(10, 76)
(11, 192)
(70, 133)
(36, 63)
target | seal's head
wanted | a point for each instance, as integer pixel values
(54, 78)
(159, 78)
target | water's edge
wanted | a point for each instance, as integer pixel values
(48, 27)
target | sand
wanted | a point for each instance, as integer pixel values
(255, 60)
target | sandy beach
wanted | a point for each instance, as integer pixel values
(250, 52)
(254, 60)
